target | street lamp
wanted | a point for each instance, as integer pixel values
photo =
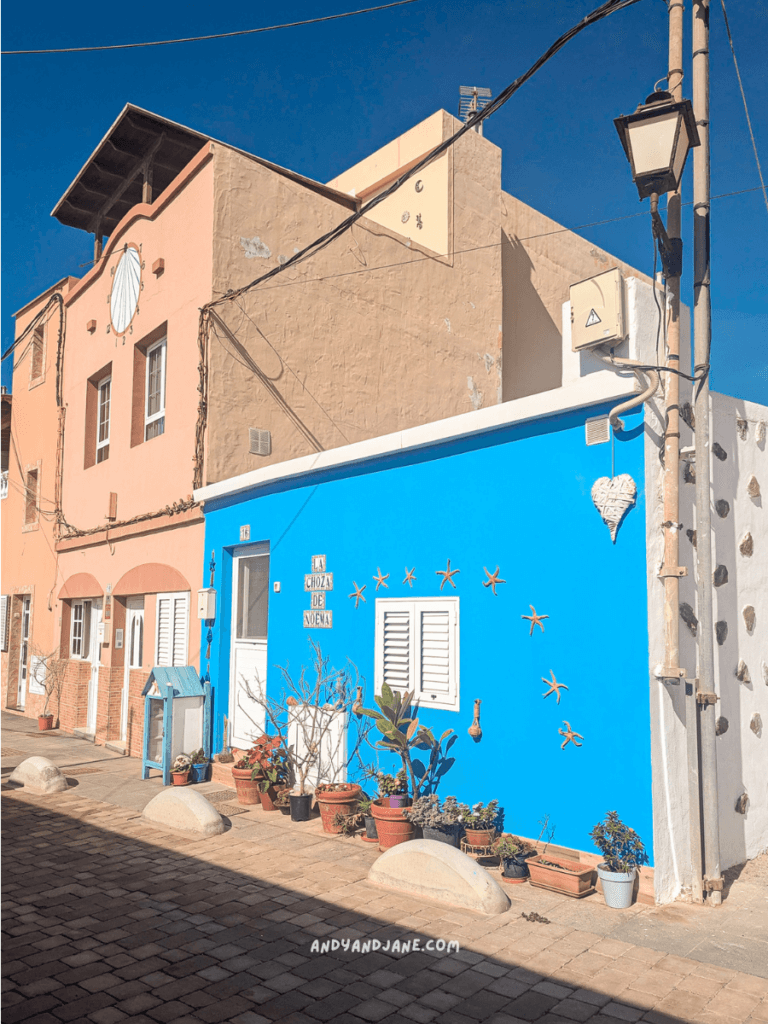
(656, 140)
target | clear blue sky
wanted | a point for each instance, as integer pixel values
(319, 98)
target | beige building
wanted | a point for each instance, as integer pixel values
(126, 397)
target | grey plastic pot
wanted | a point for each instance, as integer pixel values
(449, 835)
(617, 887)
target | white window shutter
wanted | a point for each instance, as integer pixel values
(163, 631)
(395, 634)
(417, 648)
(172, 629)
(4, 622)
(180, 623)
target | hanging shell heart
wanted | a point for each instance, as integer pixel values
(613, 498)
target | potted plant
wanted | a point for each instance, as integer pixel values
(364, 808)
(180, 770)
(623, 852)
(513, 854)
(559, 874)
(336, 798)
(311, 717)
(438, 823)
(479, 823)
(46, 675)
(246, 774)
(270, 762)
(199, 765)
(393, 789)
(401, 734)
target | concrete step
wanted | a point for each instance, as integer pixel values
(116, 745)
(83, 734)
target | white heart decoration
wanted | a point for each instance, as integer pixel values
(613, 498)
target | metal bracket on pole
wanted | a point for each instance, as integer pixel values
(673, 571)
(707, 698)
(670, 674)
(670, 249)
(713, 884)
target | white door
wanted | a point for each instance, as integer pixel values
(21, 696)
(133, 653)
(94, 655)
(248, 666)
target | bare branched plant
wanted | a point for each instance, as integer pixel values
(305, 717)
(47, 670)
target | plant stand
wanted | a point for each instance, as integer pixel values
(478, 852)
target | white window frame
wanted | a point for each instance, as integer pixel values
(160, 414)
(103, 445)
(172, 598)
(5, 605)
(415, 607)
(80, 646)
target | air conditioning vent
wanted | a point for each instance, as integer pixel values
(259, 441)
(598, 430)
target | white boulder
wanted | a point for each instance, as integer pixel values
(439, 872)
(39, 775)
(183, 808)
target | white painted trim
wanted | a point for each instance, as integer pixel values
(592, 390)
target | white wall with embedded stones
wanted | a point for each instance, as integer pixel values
(740, 527)
(740, 570)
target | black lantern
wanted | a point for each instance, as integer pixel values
(656, 140)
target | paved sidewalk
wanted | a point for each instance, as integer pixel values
(107, 919)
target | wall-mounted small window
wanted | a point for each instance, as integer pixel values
(81, 629)
(37, 355)
(31, 489)
(104, 405)
(154, 413)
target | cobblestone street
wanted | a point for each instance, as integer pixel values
(107, 919)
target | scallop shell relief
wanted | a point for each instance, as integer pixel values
(613, 498)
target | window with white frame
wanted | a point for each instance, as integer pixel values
(172, 643)
(80, 630)
(417, 649)
(4, 609)
(154, 407)
(102, 421)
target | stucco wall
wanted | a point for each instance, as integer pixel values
(518, 498)
(373, 334)
(28, 557)
(540, 261)
(155, 473)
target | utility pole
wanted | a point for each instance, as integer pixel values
(702, 333)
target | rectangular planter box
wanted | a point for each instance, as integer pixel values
(570, 877)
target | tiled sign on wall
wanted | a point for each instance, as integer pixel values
(316, 584)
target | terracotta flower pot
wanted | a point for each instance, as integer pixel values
(180, 778)
(44, 722)
(478, 836)
(570, 877)
(332, 801)
(391, 826)
(248, 789)
(268, 798)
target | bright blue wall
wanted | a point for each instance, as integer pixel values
(518, 498)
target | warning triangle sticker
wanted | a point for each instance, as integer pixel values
(592, 319)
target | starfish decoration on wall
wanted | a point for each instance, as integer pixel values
(447, 575)
(570, 736)
(358, 593)
(554, 686)
(380, 579)
(492, 580)
(535, 619)
(410, 576)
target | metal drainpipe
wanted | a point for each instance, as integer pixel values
(702, 327)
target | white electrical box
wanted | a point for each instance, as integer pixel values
(206, 603)
(597, 311)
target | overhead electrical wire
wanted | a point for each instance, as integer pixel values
(216, 35)
(603, 11)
